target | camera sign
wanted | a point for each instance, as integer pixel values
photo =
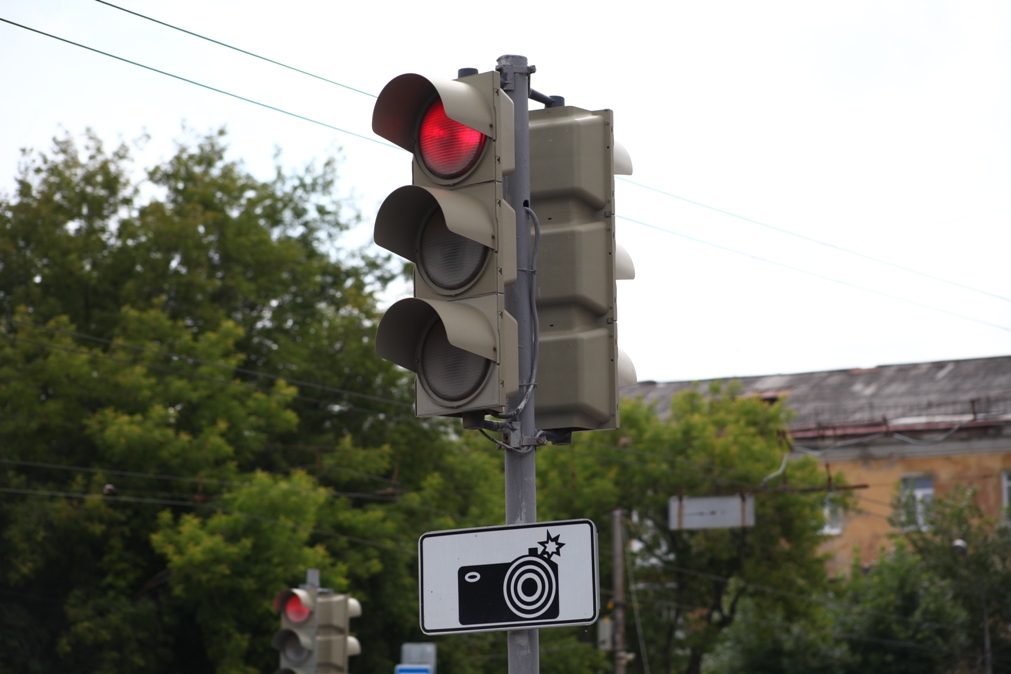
(507, 578)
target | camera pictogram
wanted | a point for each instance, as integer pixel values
(524, 589)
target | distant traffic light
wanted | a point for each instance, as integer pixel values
(454, 225)
(573, 161)
(296, 639)
(315, 631)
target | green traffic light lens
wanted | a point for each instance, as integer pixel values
(450, 373)
(448, 149)
(449, 261)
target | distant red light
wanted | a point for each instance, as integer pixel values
(295, 610)
(448, 148)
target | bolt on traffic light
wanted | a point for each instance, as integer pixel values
(453, 223)
(573, 161)
(315, 631)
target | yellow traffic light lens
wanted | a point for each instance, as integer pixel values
(448, 149)
(450, 373)
(295, 610)
(448, 260)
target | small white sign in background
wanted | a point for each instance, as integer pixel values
(514, 577)
(711, 512)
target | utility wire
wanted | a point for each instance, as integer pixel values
(819, 600)
(666, 193)
(181, 478)
(622, 178)
(379, 142)
(232, 483)
(227, 511)
(242, 51)
(225, 366)
(814, 240)
(193, 375)
(200, 84)
(817, 275)
(629, 564)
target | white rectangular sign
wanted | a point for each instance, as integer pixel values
(711, 512)
(508, 578)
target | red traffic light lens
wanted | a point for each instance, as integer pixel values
(295, 610)
(448, 149)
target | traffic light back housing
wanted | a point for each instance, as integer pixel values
(572, 166)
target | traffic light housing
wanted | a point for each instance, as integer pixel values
(315, 631)
(453, 223)
(573, 161)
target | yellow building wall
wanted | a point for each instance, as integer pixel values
(866, 529)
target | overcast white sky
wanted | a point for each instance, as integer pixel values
(880, 127)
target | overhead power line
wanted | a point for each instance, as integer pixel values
(666, 193)
(823, 277)
(242, 51)
(200, 84)
(811, 239)
(224, 366)
(193, 375)
(190, 504)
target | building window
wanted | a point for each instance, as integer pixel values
(917, 491)
(1005, 483)
(833, 519)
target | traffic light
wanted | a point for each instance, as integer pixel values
(314, 637)
(573, 161)
(453, 223)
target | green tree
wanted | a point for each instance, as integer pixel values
(980, 577)
(191, 414)
(764, 641)
(895, 617)
(691, 583)
(899, 617)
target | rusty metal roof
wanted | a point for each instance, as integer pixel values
(974, 390)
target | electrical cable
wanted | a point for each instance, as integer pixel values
(190, 375)
(227, 511)
(635, 598)
(225, 366)
(232, 483)
(242, 51)
(814, 240)
(379, 142)
(180, 478)
(201, 84)
(535, 322)
(352, 133)
(818, 600)
(823, 277)
(826, 602)
(622, 178)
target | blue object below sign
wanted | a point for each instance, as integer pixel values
(412, 669)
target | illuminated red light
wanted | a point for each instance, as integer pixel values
(295, 610)
(448, 148)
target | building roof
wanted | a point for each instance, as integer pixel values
(920, 395)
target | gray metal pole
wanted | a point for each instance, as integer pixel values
(618, 580)
(987, 657)
(520, 464)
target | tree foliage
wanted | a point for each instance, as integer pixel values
(690, 584)
(191, 414)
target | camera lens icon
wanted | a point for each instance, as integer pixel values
(530, 587)
(525, 589)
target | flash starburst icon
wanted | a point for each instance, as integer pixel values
(551, 547)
